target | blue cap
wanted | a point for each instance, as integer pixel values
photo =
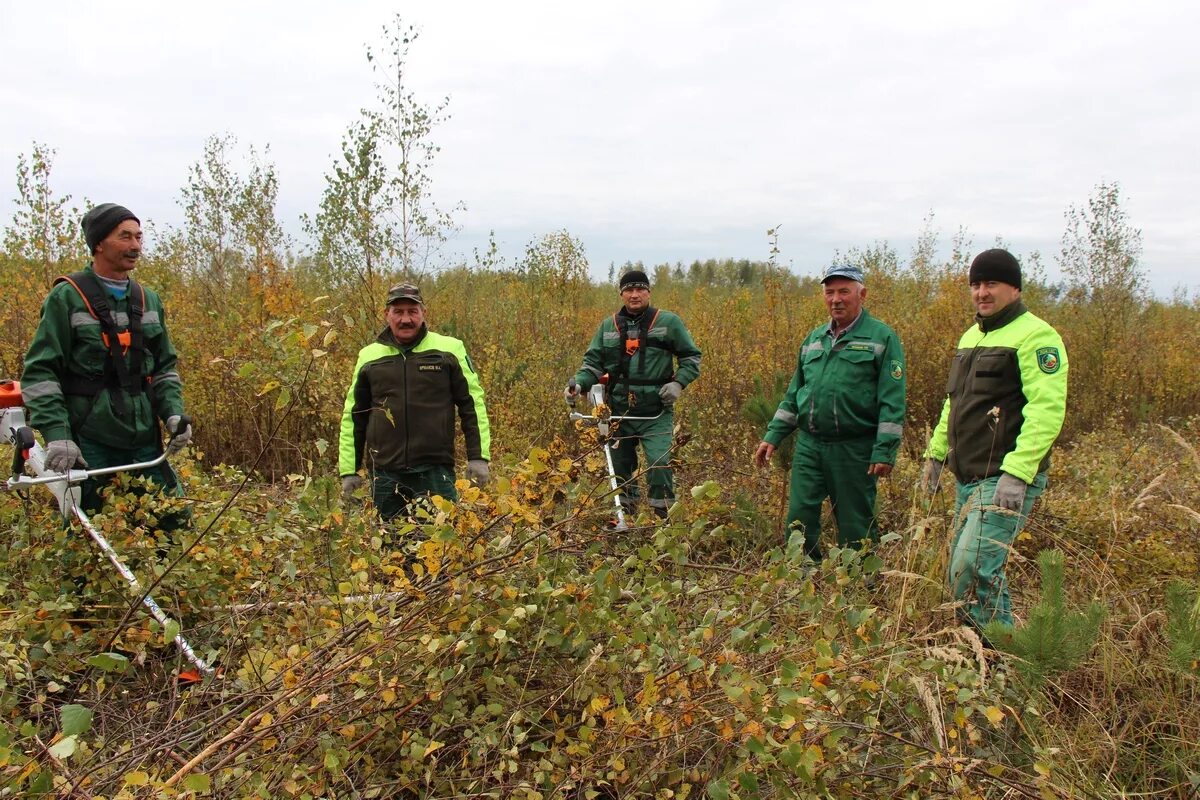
(848, 271)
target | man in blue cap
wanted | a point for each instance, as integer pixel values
(846, 404)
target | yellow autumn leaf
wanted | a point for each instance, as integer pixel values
(994, 715)
(136, 778)
(433, 747)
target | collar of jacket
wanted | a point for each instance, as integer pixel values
(624, 312)
(1001, 317)
(386, 337)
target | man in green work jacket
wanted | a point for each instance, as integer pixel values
(1005, 405)
(398, 419)
(97, 384)
(649, 358)
(846, 404)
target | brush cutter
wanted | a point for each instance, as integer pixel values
(65, 488)
(605, 424)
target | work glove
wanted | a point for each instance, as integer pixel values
(931, 475)
(350, 485)
(179, 438)
(669, 392)
(571, 393)
(1010, 492)
(477, 472)
(62, 455)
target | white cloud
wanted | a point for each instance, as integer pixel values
(655, 131)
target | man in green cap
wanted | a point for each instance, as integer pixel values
(1005, 405)
(398, 419)
(100, 373)
(649, 358)
(846, 404)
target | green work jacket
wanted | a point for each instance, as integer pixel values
(639, 354)
(1006, 398)
(67, 344)
(851, 387)
(399, 410)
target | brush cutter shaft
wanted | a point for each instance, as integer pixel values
(148, 601)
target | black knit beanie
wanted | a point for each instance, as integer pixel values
(995, 265)
(633, 279)
(100, 221)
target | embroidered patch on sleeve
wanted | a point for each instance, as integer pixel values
(1048, 360)
(897, 370)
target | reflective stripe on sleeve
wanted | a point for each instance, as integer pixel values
(785, 416)
(32, 391)
(167, 377)
(890, 428)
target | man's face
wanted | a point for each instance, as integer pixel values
(117, 254)
(844, 299)
(635, 298)
(405, 318)
(991, 297)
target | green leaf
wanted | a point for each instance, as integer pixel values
(170, 631)
(109, 662)
(64, 747)
(198, 782)
(75, 719)
(718, 790)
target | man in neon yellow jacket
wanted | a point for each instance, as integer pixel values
(1006, 400)
(398, 419)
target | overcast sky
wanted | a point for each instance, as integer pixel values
(652, 131)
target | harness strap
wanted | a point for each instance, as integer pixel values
(117, 374)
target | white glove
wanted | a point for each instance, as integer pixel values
(1010, 492)
(179, 438)
(670, 392)
(931, 475)
(62, 455)
(351, 484)
(478, 472)
(571, 393)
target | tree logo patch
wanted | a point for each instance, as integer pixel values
(897, 370)
(1048, 360)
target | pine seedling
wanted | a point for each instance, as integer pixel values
(1054, 639)
(1183, 626)
(760, 409)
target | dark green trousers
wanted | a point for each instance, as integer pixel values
(394, 492)
(99, 456)
(837, 470)
(655, 437)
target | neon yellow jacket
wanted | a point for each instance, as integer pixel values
(399, 410)
(1006, 398)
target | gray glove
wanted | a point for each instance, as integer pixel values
(670, 392)
(931, 475)
(62, 455)
(478, 472)
(571, 393)
(179, 438)
(351, 484)
(1010, 492)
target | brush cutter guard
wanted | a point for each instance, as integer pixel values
(604, 423)
(65, 488)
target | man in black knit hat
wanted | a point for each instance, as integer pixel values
(100, 373)
(1005, 405)
(649, 357)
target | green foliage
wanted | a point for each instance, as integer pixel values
(1183, 626)
(1053, 639)
(760, 410)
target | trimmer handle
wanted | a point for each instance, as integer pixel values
(23, 443)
